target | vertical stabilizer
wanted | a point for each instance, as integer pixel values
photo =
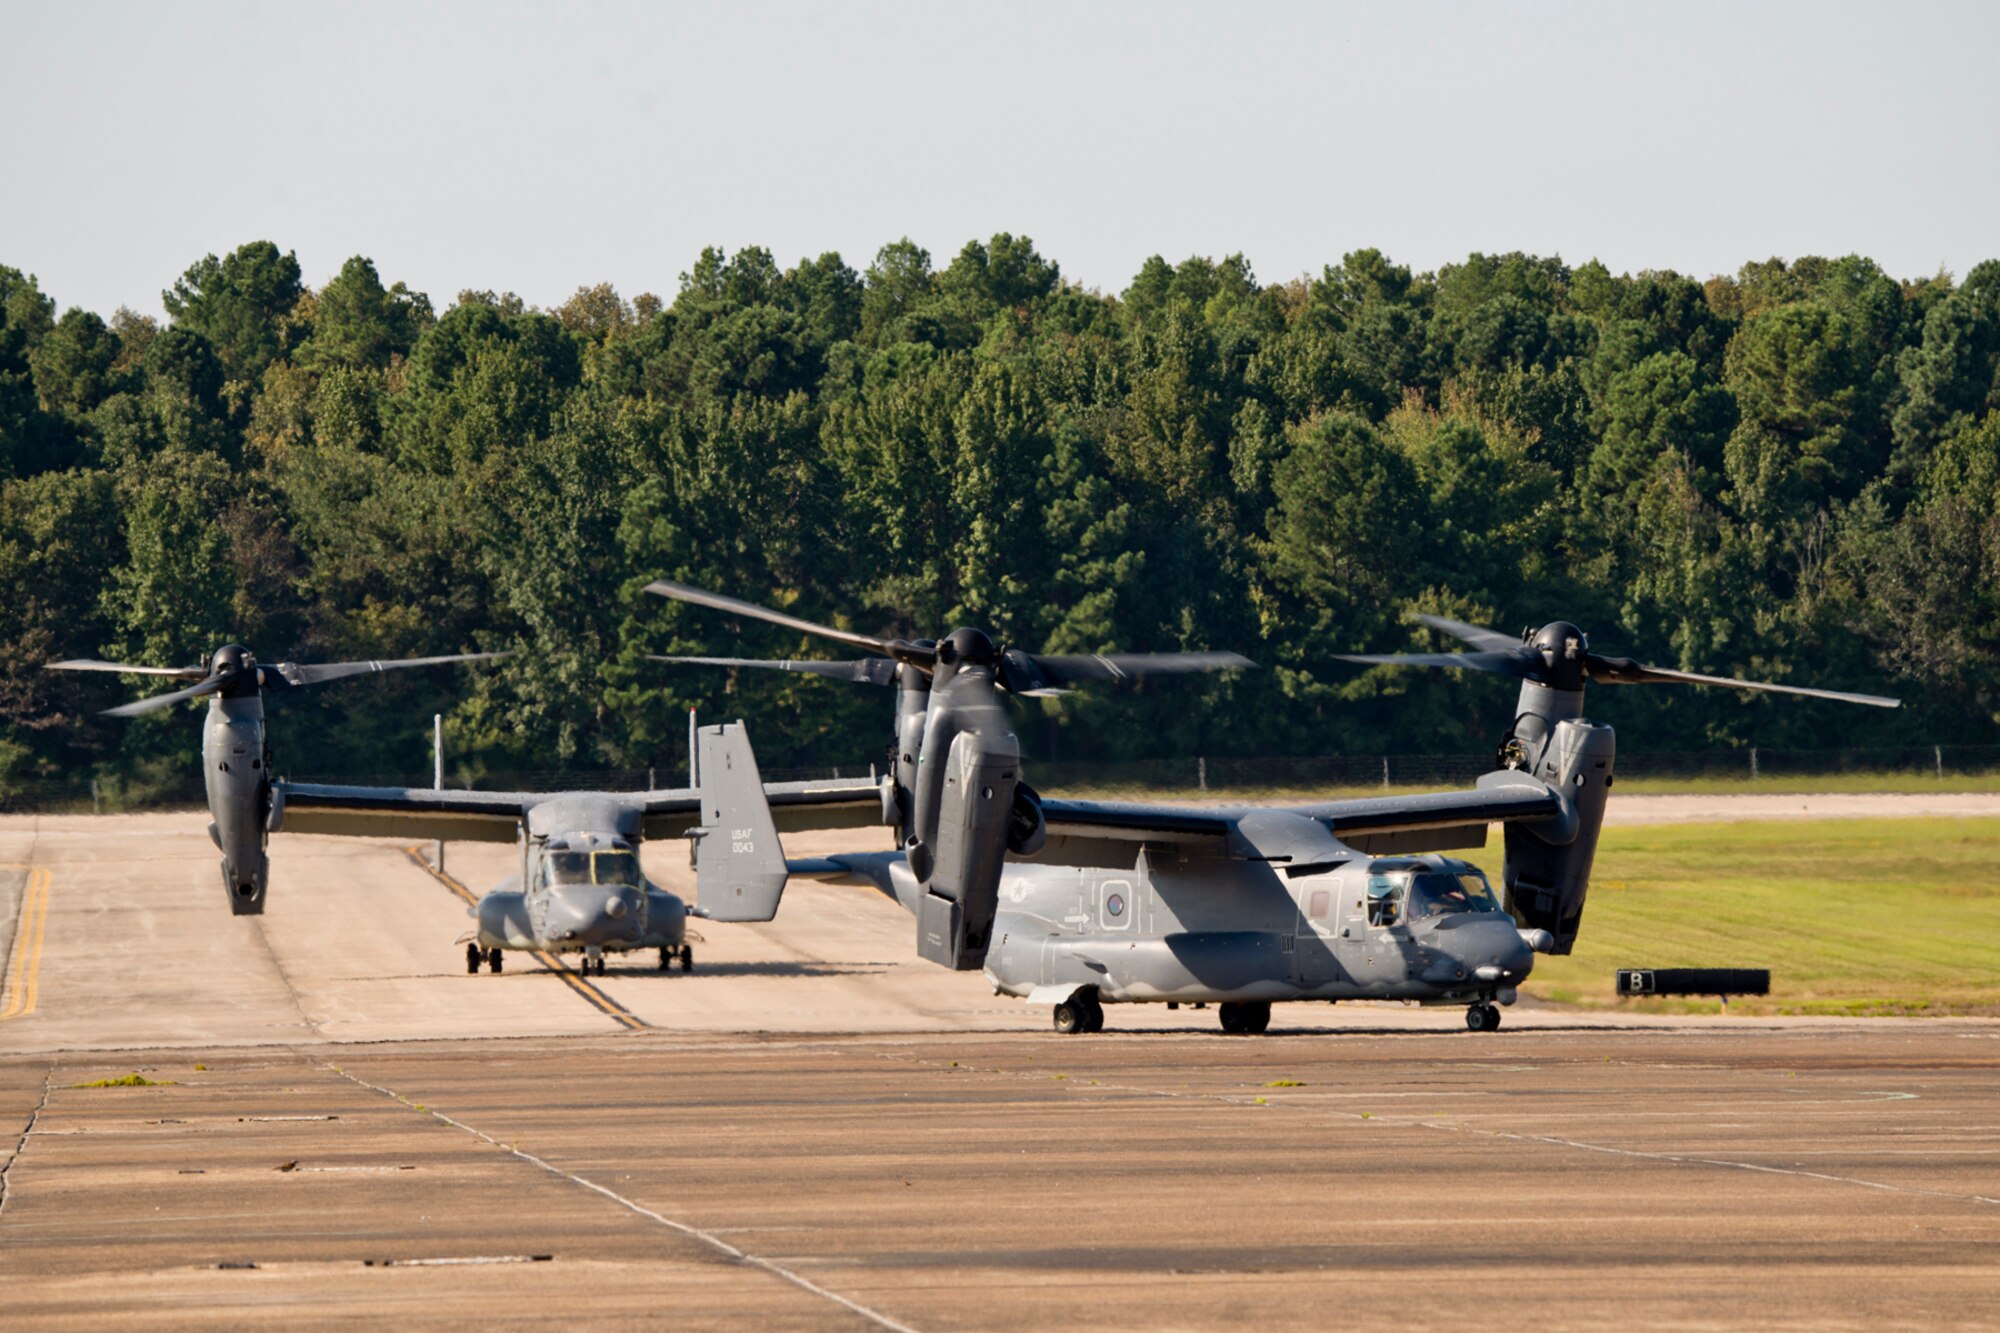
(739, 864)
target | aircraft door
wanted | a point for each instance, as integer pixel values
(1313, 949)
(1374, 942)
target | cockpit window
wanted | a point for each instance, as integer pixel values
(1385, 898)
(1438, 893)
(616, 867)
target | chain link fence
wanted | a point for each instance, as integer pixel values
(1198, 776)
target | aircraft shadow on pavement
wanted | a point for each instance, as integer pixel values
(751, 969)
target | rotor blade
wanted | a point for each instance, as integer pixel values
(1625, 671)
(1512, 663)
(1487, 640)
(293, 673)
(680, 592)
(158, 701)
(863, 671)
(126, 669)
(1037, 674)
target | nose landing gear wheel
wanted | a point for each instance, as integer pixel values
(493, 960)
(687, 958)
(474, 956)
(1482, 1018)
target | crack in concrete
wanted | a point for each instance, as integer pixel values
(21, 1144)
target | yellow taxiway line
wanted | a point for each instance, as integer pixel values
(24, 964)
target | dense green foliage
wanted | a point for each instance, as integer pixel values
(1793, 473)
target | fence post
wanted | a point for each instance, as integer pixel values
(1937, 752)
(1753, 763)
(95, 808)
(1385, 772)
(652, 782)
(1201, 771)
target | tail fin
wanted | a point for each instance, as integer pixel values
(739, 864)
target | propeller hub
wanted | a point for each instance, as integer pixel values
(967, 647)
(1563, 649)
(230, 658)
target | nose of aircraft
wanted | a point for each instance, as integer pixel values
(1491, 949)
(587, 914)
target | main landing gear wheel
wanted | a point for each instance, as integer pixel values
(1482, 1018)
(493, 960)
(1249, 1016)
(1081, 1012)
(666, 958)
(687, 958)
(474, 956)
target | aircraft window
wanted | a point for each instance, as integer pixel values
(1322, 899)
(1434, 893)
(566, 868)
(617, 868)
(1385, 898)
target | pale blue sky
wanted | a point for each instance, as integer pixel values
(542, 147)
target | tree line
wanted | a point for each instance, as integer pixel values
(1791, 473)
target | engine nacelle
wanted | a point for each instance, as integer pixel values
(1547, 872)
(975, 813)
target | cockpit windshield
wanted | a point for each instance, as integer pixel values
(612, 867)
(1440, 893)
(617, 868)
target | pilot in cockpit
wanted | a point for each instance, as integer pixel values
(1385, 899)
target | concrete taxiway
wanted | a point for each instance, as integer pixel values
(814, 1130)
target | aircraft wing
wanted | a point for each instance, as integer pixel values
(835, 803)
(1434, 821)
(1376, 825)
(399, 812)
(495, 816)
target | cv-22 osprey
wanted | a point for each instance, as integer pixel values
(1241, 906)
(580, 888)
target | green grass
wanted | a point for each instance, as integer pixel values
(128, 1081)
(1878, 916)
(1809, 786)
(1293, 794)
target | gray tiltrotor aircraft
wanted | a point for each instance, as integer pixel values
(1114, 902)
(236, 757)
(954, 793)
(580, 888)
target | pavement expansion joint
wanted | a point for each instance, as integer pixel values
(1270, 1102)
(707, 1238)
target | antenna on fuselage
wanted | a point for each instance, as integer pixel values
(694, 754)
